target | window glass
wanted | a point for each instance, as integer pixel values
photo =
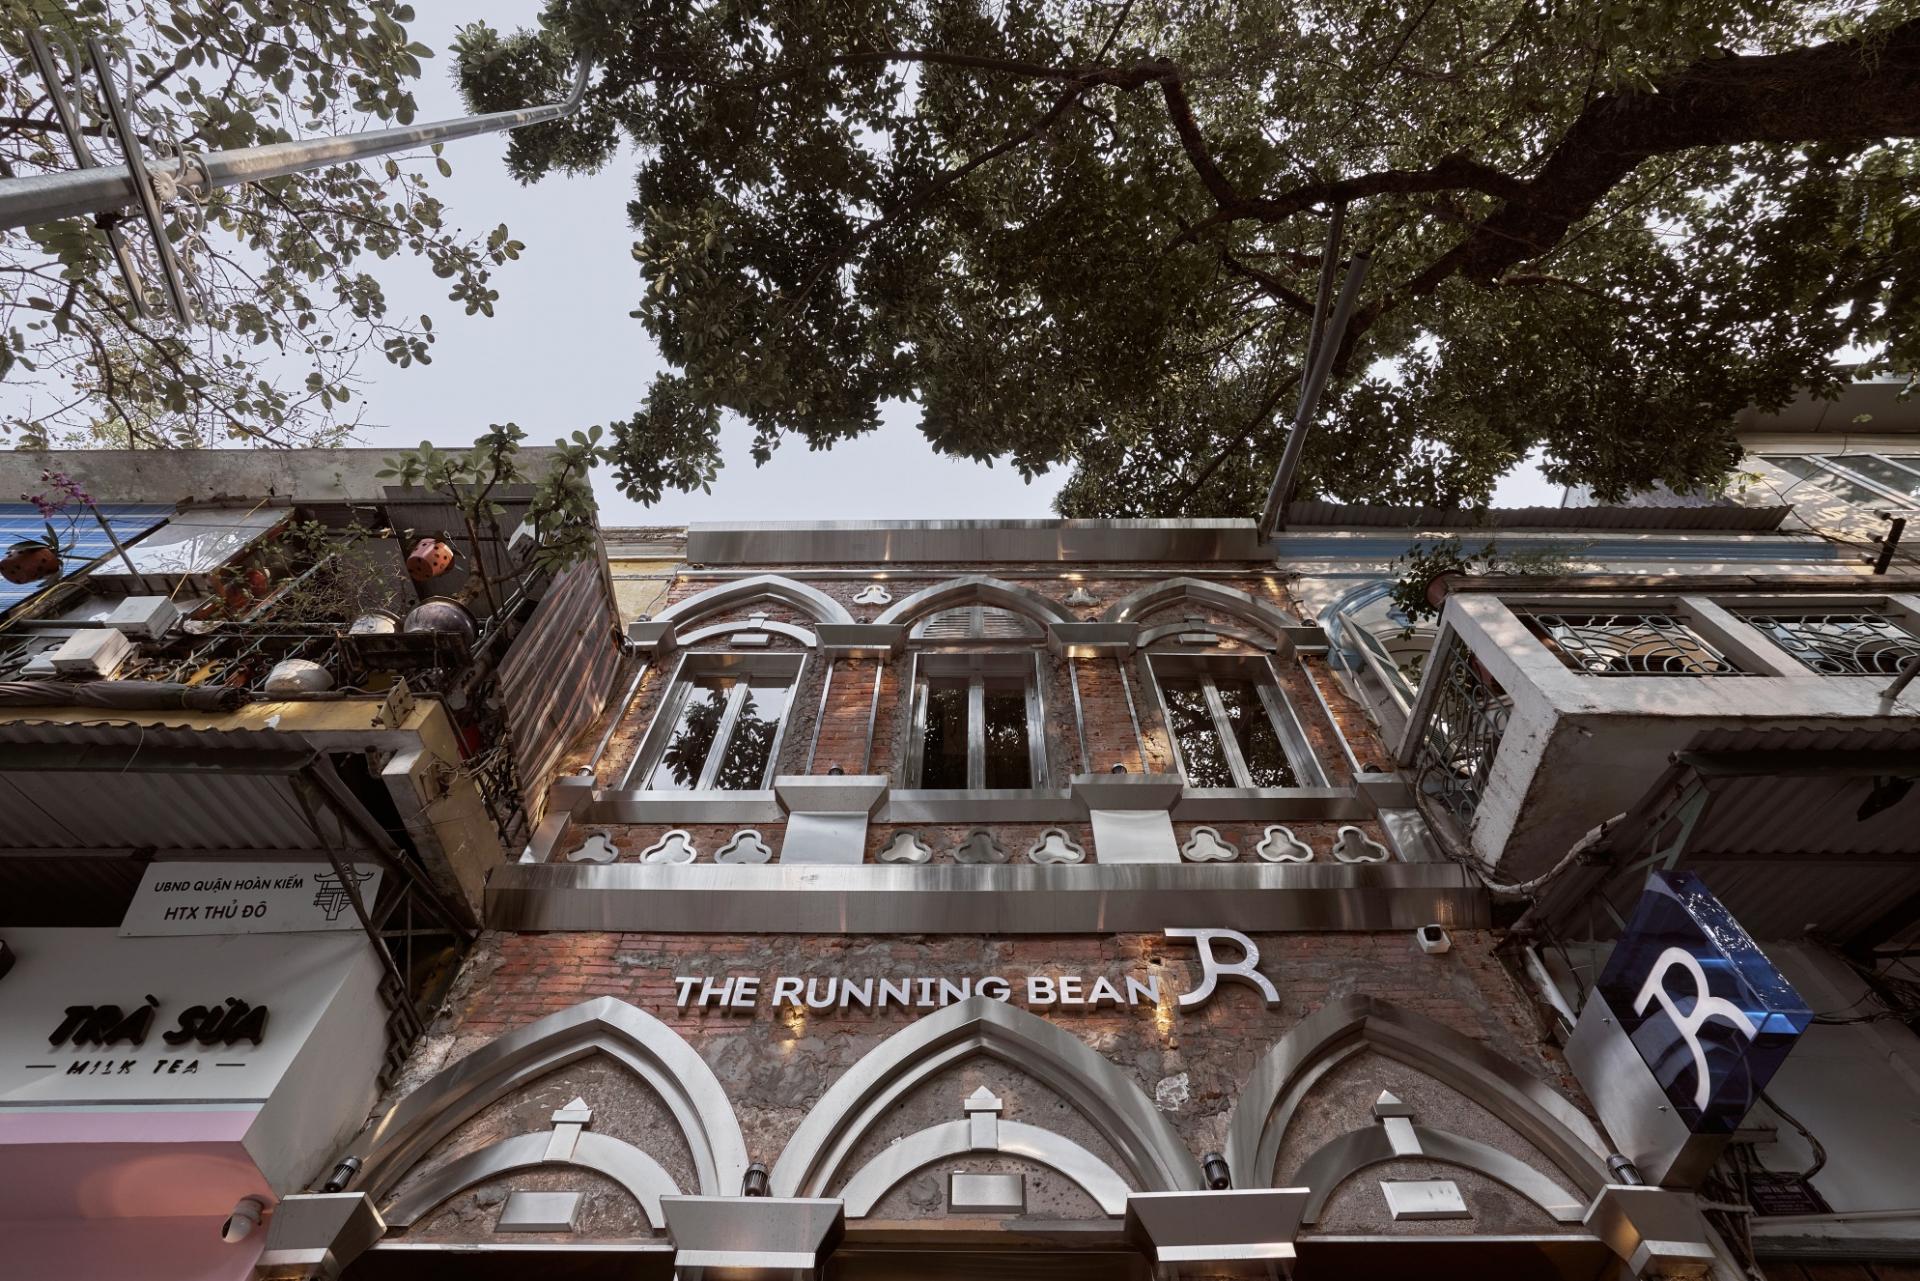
(1008, 764)
(739, 764)
(1898, 479)
(1839, 486)
(744, 766)
(681, 763)
(1253, 730)
(1193, 730)
(943, 757)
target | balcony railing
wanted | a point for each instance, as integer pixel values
(1468, 718)
(1852, 643)
(1655, 644)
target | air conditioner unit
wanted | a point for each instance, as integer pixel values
(149, 616)
(98, 651)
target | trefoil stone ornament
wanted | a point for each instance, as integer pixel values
(980, 847)
(1280, 845)
(873, 594)
(1055, 846)
(595, 849)
(907, 846)
(1208, 846)
(675, 847)
(1355, 846)
(745, 847)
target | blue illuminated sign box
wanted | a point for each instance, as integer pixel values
(1708, 1012)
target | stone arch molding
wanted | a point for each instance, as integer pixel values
(1542, 1116)
(391, 1147)
(811, 601)
(816, 1158)
(1136, 605)
(977, 589)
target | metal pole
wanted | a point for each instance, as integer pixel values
(1329, 261)
(41, 198)
(1284, 477)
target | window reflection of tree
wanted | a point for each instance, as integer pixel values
(744, 766)
(943, 757)
(686, 754)
(1253, 730)
(1008, 764)
(1199, 740)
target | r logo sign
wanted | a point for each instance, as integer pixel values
(1707, 1011)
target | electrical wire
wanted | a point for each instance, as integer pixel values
(1819, 1149)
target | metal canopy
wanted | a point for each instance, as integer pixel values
(1772, 821)
(109, 788)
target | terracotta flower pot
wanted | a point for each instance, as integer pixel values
(1439, 585)
(430, 558)
(29, 562)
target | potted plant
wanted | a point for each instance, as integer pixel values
(32, 559)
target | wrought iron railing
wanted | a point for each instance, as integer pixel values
(1854, 643)
(1628, 644)
(1467, 720)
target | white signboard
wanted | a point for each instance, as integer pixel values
(246, 898)
(88, 1017)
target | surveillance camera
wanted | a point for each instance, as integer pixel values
(1433, 939)
(244, 1219)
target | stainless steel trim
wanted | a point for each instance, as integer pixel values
(982, 898)
(1231, 1225)
(904, 1157)
(972, 541)
(617, 714)
(1108, 1097)
(1133, 714)
(1338, 1160)
(820, 713)
(1039, 771)
(1145, 600)
(1079, 715)
(414, 1126)
(760, 1237)
(740, 591)
(1326, 710)
(676, 809)
(703, 634)
(977, 589)
(1644, 1127)
(642, 1177)
(873, 714)
(1272, 1093)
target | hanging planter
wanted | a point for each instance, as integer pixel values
(29, 561)
(428, 559)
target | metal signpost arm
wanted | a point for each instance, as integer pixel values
(39, 198)
(83, 156)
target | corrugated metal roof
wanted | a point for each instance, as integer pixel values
(1785, 849)
(122, 786)
(558, 676)
(1316, 513)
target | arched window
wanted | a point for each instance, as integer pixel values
(978, 703)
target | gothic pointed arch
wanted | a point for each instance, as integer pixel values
(978, 589)
(1344, 1028)
(651, 1050)
(811, 601)
(1137, 605)
(816, 1157)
